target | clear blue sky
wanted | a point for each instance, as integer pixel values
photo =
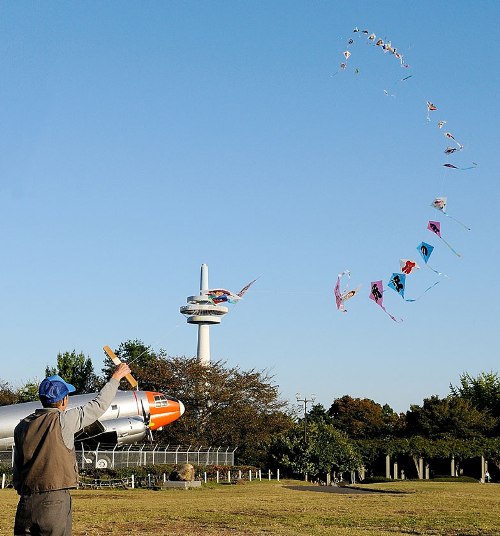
(139, 140)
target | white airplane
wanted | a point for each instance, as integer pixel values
(129, 419)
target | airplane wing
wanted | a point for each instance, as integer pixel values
(124, 431)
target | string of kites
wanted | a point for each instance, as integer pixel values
(397, 281)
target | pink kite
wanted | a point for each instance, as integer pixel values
(435, 227)
(377, 295)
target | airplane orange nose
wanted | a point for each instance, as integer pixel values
(163, 410)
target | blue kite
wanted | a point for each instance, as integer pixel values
(425, 251)
(398, 283)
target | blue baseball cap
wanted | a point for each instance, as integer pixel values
(53, 389)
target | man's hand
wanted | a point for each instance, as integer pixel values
(121, 371)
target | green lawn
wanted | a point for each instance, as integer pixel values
(274, 508)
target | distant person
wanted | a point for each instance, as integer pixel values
(45, 466)
(486, 476)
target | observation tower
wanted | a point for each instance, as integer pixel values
(203, 313)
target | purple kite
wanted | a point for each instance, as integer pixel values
(377, 295)
(435, 227)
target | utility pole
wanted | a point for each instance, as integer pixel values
(305, 401)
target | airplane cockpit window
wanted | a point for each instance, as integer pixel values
(161, 401)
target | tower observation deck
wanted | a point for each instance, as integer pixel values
(203, 313)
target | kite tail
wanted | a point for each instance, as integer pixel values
(435, 271)
(458, 221)
(456, 252)
(425, 291)
(470, 167)
(245, 288)
(389, 314)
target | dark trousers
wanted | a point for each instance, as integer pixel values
(44, 514)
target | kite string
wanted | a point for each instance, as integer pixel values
(426, 290)
(154, 344)
(449, 245)
(443, 178)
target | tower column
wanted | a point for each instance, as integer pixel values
(203, 352)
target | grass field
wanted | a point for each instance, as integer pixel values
(407, 507)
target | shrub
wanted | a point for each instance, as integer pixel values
(5, 468)
(445, 478)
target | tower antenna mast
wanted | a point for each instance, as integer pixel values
(202, 312)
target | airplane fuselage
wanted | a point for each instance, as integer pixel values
(128, 419)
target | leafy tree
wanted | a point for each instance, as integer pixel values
(447, 418)
(332, 450)
(77, 370)
(225, 407)
(138, 355)
(326, 450)
(7, 394)
(362, 418)
(28, 392)
(482, 392)
(289, 452)
(318, 414)
(493, 451)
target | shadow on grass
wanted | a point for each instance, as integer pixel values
(352, 490)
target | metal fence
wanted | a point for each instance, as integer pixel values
(109, 456)
(7, 457)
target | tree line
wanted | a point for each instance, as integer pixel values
(227, 406)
